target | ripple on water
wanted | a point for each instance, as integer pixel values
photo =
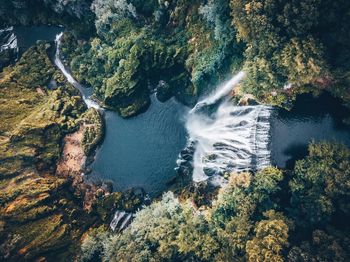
(142, 151)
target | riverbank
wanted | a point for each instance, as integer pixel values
(73, 157)
(43, 214)
(78, 147)
(38, 211)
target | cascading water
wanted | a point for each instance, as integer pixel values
(222, 91)
(9, 50)
(89, 102)
(9, 38)
(230, 139)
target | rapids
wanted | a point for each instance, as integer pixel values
(9, 39)
(228, 138)
(84, 91)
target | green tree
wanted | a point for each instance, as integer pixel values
(303, 61)
(323, 246)
(110, 11)
(197, 237)
(270, 240)
(320, 186)
(282, 47)
(151, 236)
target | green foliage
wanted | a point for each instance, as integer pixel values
(303, 60)
(39, 214)
(286, 43)
(128, 201)
(324, 246)
(155, 228)
(320, 186)
(217, 14)
(94, 130)
(181, 48)
(92, 244)
(74, 14)
(246, 195)
(135, 51)
(250, 220)
(170, 230)
(29, 69)
(121, 70)
(109, 12)
(271, 238)
(197, 236)
(214, 52)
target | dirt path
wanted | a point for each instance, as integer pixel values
(73, 157)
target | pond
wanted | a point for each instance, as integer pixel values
(137, 152)
(310, 119)
(142, 151)
(27, 36)
(16, 40)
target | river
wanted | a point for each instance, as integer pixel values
(143, 151)
(311, 119)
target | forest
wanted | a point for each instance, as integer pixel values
(125, 50)
(273, 215)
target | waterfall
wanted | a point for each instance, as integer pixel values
(9, 38)
(220, 92)
(228, 139)
(89, 102)
(8, 46)
(121, 220)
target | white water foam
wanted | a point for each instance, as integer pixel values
(11, 41)
(220, 92)
(89, 102)
(231, 139)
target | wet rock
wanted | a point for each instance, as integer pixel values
(247, 100)
(100, 192)
(163, 91)
(8, 47)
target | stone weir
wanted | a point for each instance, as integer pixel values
(228, 139)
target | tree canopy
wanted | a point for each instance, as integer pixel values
(268, 216)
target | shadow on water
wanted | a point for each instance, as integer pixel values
(27, 36)
(136, 152)
(142, 151)
(14, 41)
(311, 119)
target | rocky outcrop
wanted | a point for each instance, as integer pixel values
(40, 216)
(45, 138)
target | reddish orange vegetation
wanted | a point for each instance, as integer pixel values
(73, 157)
(71, 166)
(25, 201)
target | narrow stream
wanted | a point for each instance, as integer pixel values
(144, 151)
(139, 152)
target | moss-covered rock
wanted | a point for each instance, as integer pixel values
(38, 211)
(93, 130)
(128, 59)
(129, 201)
